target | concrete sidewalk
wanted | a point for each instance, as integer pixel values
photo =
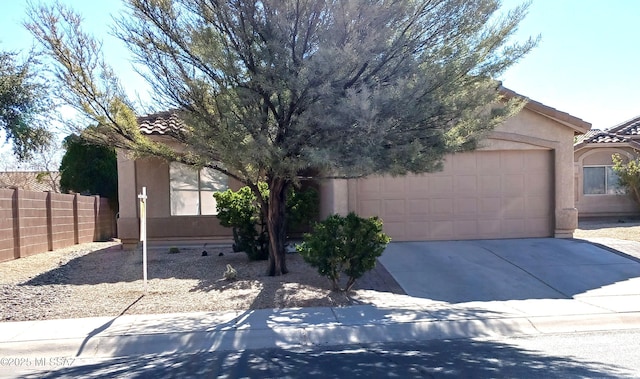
(402, 319)
(383, 317)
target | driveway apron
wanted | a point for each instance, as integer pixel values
(513, 269)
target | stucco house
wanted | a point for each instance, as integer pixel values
(597, 191)
(519, 183)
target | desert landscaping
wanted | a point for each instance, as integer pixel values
(100, 279)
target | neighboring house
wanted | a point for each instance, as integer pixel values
(38, 181)
(519, 183)
(597, 191)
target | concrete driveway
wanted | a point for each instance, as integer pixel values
(518, 269)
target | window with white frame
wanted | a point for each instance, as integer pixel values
(600, 180)
(192, 191)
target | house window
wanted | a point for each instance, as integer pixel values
(600, 180)
(192, 191)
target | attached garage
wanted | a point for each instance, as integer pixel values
(482, 194)
(518, 184)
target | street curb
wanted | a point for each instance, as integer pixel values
(137, 344)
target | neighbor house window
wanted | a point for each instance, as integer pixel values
(192, 190)
(600, 180)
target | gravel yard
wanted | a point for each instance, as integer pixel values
(100, 279)
(623, 229)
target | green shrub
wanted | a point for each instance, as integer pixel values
(628, 175)
(240, 210)
(348, 244)
(174, 250)
(302, 207)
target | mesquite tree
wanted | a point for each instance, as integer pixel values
(270, 89)
(24, 103)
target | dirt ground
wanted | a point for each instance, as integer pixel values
(101, 279)
(621, 228)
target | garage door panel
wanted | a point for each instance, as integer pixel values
(512, 228)
(420, 228)
(417, 210)
(536, 161)
(393, 187)
(489, 228)
(440, 185)
(512, 162)
(465, 163)
(417, 186)
(488, 163)
(482, 194)
(394, 210)
(465, 184)
(466, 228)
(489, 206)
(369, 188)
(536, 207)
(396, 230)
(513, 207)
(465, 206)
(490, 185)
(370, 208)
(440, 206)
(538, 227)
(535, 185)
(513, 185)
(441, 230)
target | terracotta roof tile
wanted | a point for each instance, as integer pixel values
(161, 123)
(627, 128)
(603, 136)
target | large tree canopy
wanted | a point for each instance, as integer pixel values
(89, 168)
(269, 89)
(23, 100)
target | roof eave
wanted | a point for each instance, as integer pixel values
(578, 125)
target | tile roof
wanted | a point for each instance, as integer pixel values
(601, 136)
(161, 123)
(627, 128)
(627, 132)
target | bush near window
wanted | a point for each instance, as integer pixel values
(241, 211)
(348, 244)
(628, 175)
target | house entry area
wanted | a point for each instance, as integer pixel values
(478, 195)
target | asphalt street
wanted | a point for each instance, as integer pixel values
(612, 354)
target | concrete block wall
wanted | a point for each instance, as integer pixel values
(87, 214)
(7, 238)
(32, 218)
(35, 222)
(62, 221)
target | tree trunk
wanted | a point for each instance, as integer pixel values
(276, 225)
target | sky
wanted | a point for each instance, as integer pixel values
(586, 63)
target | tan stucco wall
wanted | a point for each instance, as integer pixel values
(601, 205)
(525, 131)
(153, 173)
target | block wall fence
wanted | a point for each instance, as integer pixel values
(35, 222)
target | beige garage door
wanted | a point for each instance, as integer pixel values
(478, 195)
